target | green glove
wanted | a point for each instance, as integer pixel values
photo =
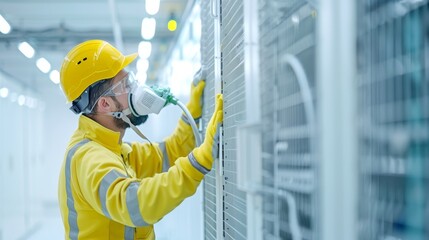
(203, 156)
(195, 104)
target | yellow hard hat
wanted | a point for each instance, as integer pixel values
(88, 63)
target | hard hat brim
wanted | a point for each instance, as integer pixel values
(129, 59)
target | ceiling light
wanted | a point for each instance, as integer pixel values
(148, 28)
(26, 49)
(43, 65)
(4, 25)
(142, 65)
(145, 49)
(21, 100)
(30, 102)
(55, 76)
(152, 6)
(141, 77)
(4, 92)
(196, 29)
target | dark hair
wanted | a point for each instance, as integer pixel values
(96, 91)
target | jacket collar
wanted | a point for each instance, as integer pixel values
(94, 131)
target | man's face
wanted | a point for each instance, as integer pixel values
(121, 102)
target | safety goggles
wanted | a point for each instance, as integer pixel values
(124, 86)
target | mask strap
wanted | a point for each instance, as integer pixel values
(123, 115)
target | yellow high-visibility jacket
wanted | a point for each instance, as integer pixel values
(112, 190)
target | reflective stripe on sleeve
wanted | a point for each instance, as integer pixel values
(129, 233)
(107, 180)
(197, 165)
(133, 205)
(165, 159)
(72, 214)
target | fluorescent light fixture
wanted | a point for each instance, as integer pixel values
(55, 76)
(196, 26)
(4, 92)
(43, 65)
(145, 49)
(141, 77)
(152, 6)
(26, 49)
(4, 25)
(21, 100)
(295, 19)
(30, 102)
(148, 28)
(142, 65)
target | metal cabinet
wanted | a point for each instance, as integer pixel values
(393, 105)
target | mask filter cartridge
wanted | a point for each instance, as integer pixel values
(144, 101)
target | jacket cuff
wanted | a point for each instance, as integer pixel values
(197, 165)
(189, 169)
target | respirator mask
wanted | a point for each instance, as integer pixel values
(142, 101)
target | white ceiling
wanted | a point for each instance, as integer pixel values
(53, 27)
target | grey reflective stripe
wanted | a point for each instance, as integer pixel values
(165, 159)
(129, 233)
(197, 165)
(72, 215)
(133, 205)
(106, 182)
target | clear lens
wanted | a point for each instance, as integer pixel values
(124, 86)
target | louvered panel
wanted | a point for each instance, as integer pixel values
(207, 60)
(287, 28)
(393, 105)
(234, 107)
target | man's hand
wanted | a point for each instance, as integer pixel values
(195, 104)
(207, 152)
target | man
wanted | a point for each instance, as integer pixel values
(109, 189)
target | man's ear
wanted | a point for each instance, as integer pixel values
(104, 105)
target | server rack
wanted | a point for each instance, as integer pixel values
(287, 67)
(233, 85)
(207, 60)
(225, 205)
(287, 56)
(393, 97)
(391, 142)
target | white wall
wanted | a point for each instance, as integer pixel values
(59, 124)
(21, 158)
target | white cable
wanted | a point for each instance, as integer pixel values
(192, 122)
(293, 210)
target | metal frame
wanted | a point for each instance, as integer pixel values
(337, 142)
(215, 13)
